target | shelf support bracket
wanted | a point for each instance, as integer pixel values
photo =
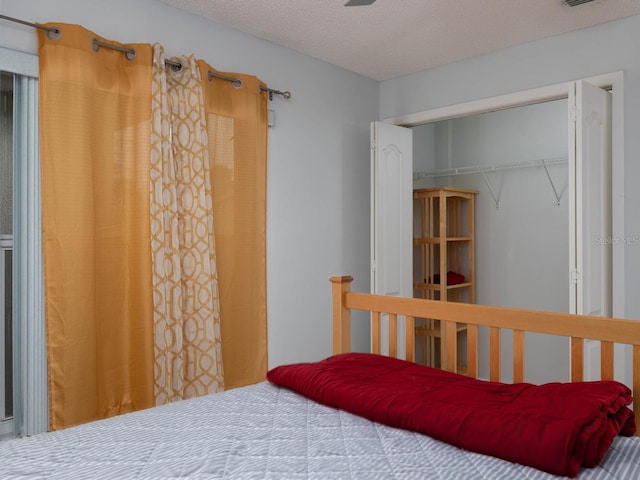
(555, 192)
(493, 194)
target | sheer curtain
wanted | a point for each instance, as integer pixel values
(188, 351)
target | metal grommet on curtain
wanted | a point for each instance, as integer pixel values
(176, 65)
(54, 33)
(237, 83)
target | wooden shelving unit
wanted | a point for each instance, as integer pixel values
(443, 257)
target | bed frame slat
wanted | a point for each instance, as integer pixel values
(577, 359)
(472, 351)
(494, 354)
(636, 384)
(410, 338)
(375, 332)
(393, 335)
(606, 360)
(451, 340)
(518, 356)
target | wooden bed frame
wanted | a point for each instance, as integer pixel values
(576, 327)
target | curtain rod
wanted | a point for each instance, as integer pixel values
(54, 33)
(177, 66)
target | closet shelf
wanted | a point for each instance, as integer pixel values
(436, 240)
(437, 286)
(470, 170)
(443, 248)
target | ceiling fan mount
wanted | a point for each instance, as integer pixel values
(358, 3)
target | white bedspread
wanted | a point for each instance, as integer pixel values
(263, 432)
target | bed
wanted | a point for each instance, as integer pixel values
(267, 431)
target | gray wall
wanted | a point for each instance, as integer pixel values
(522, 247)
(601, 49)
(318, 174)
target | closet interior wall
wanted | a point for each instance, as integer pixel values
(522, 246)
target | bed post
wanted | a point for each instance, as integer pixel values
(341, 315)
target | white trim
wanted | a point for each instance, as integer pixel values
(613, 81)
(573, 227)
(484, 105)
(2, 338)
(501, 102)
(617, 190)
(18, 62)
(6, 241)
(31, 412)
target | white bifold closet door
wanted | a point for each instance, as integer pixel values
(391, 216)
(590, 214)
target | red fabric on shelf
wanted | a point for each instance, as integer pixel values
(557, 427)
(453, 278)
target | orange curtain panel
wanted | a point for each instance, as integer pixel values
(95, 126)
(237, 132)
(188, 349)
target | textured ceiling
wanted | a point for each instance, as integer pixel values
(396, 37)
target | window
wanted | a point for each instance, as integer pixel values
(6, 253)
(23, 366)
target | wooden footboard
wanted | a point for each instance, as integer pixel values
(576, 327)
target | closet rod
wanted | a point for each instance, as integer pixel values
(545, 162)
(54, 33)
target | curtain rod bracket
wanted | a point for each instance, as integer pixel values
(286, 95)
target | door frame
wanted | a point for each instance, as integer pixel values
(611, 81)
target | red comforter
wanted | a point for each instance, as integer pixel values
(555, 427)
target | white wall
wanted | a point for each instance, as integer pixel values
(424, 153)
(601, 49)
(318, 174)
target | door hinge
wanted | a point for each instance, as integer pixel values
(574, 276)
(573, 113)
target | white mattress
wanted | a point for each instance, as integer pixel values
(263, 432)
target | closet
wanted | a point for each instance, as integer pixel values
(548, 176)
(515, 160)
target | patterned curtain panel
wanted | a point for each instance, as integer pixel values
(237, 129)
(95, 125)
(188, 350)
